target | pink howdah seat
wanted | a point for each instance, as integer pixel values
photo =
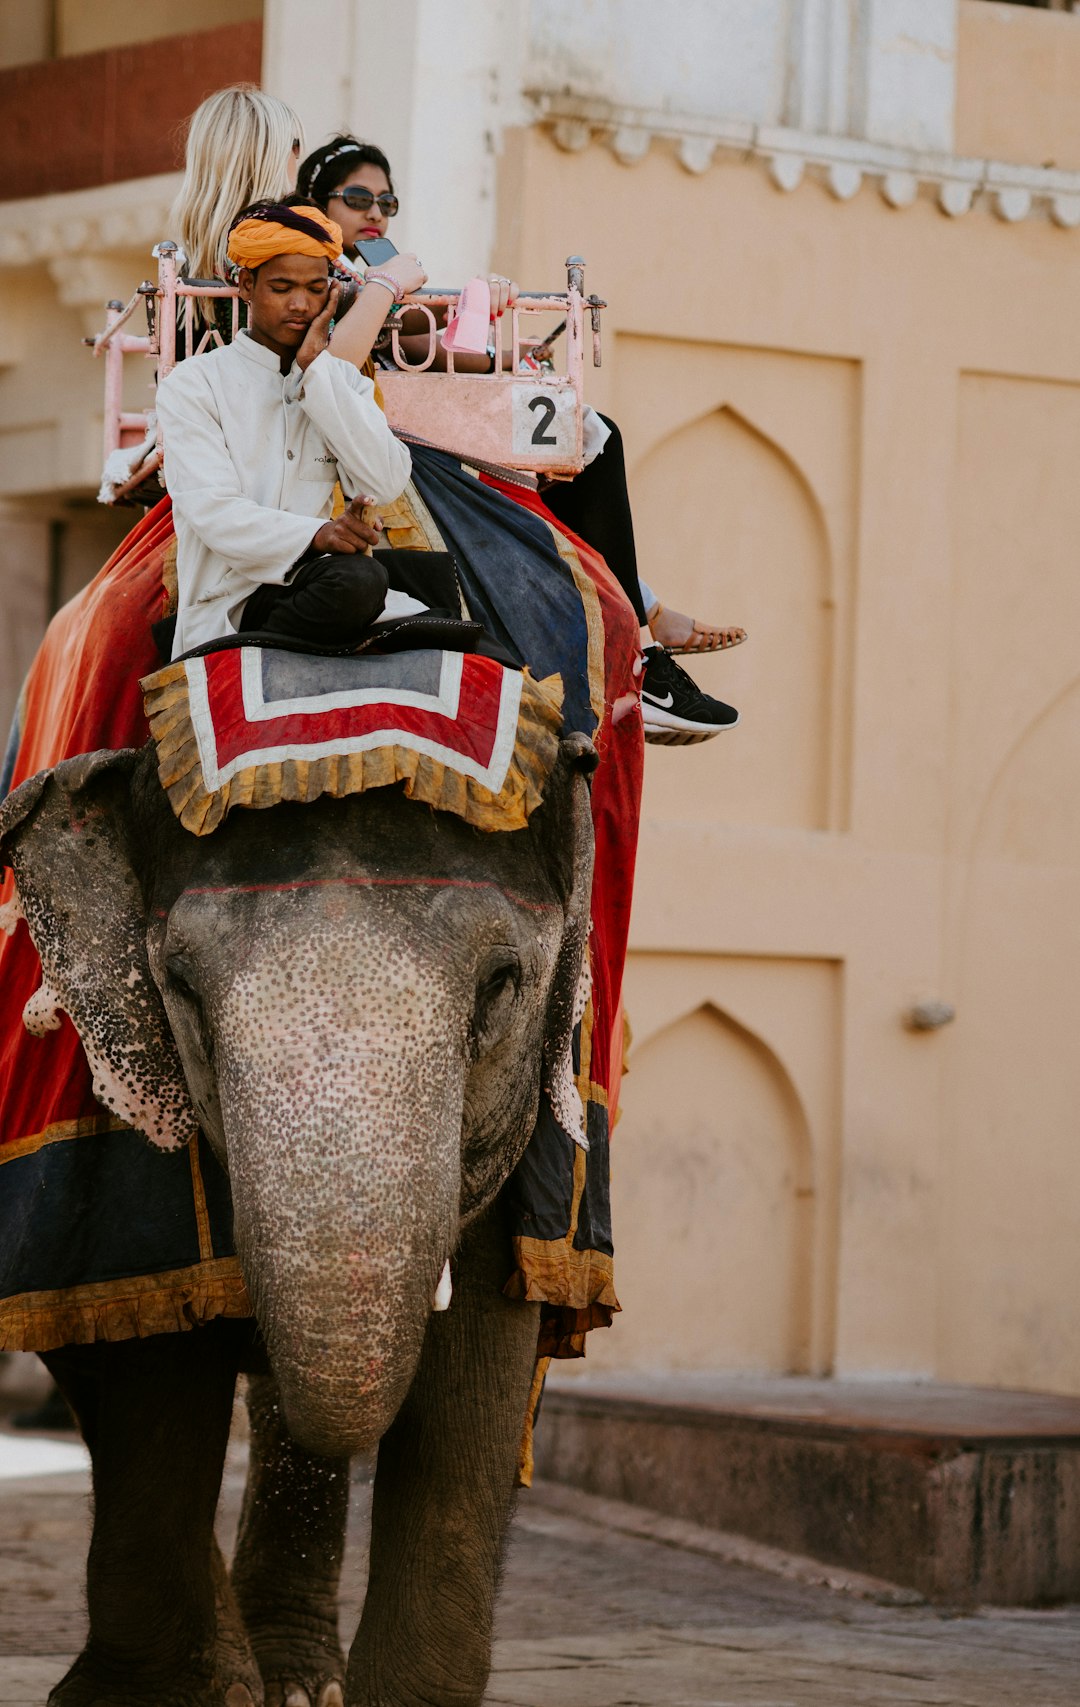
(515, 417)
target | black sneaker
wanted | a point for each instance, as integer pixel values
(675, 711)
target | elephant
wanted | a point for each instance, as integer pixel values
(360, 1002)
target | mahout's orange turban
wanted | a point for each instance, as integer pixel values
(274, 228)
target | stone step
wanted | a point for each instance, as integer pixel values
(968, 1495)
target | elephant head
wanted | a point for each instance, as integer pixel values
(358, 1001)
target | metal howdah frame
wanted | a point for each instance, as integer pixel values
(513, 417)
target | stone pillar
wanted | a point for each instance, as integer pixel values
(308, 60)
(24, 576)
(819, 56)
(884, 70)
(433, 85)
(904, 89)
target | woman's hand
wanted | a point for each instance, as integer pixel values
(405, 271)
(317, 335)
(504, 293)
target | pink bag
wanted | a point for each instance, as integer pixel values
(469, 328)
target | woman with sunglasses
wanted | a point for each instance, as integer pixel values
(351, 180)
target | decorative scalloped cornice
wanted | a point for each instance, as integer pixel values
(74, 224)
(843, 163)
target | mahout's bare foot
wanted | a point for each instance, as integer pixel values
(680, 633)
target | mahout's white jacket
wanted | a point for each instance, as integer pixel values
(251, 459)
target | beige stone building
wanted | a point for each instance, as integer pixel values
(839, 239)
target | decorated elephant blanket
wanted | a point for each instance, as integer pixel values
(255, 726)
(103, 1236)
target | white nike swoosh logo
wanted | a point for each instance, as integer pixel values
(664, 704)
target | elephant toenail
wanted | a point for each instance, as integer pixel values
(332, 1696)
(239, 1695)
(297, 1697)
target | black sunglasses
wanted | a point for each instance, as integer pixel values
(361, 200)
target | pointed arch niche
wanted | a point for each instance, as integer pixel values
(1011, 1226)
(713, 1205)
(738, 536)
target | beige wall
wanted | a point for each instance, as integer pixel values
(85, 28)
(852, 424)
(48, 550)
(26, 31)
(51, 453)
(32, 30)
(854, 430)
(1018, 85)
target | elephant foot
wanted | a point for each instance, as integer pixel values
(301, 1672)
(295, 1695)
(296, 1649)
(90, 1684)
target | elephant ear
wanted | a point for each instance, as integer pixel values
(68, 835)
(568, 832)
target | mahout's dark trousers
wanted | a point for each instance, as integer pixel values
(330, 601)
(333, 600)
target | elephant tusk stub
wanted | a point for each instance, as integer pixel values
(445, 1289)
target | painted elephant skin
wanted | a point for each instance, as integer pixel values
(359, 1002)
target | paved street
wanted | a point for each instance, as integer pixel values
(596, 1612)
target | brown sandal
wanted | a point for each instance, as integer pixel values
(719, 644)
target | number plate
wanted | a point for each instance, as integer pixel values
(544, 421)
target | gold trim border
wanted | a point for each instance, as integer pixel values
(133, 1308)
(61, 1132)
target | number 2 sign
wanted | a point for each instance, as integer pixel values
(544, 421)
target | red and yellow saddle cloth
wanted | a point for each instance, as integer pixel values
(253, 726)
(101, 1235)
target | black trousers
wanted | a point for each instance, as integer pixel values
(330, 601)
(596, 506)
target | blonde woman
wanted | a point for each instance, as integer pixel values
(242, 146)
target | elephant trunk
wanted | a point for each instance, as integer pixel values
(343, 1136)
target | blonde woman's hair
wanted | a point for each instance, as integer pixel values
(239, 143)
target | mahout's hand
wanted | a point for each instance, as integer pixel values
(317, 335)
(356, 529)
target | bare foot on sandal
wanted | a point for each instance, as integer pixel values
(681, 633)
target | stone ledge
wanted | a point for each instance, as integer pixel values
(64, 227)
(843, 163)
(965, 1495)
(585, 1510)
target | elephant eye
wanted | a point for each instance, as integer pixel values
(502, 968)
(181, 976)
(180, 973)
(496, 991)
(180, 979)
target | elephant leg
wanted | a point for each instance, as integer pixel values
(288, 1559)
(444, 1488)
(155, 1414)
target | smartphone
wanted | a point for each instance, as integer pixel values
(348, 290)
(376, 250)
